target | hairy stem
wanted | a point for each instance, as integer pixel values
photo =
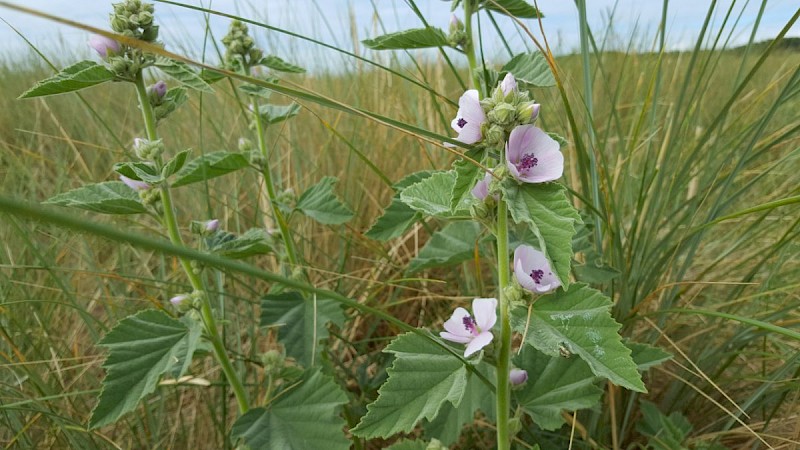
(171, 224)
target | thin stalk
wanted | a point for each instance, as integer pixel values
(171, 224)
(504, 354)
(469, 45)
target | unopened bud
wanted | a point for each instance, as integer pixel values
(502, 114)
(182, 302)
(245, 145)
(528, 112)
(104, 46)
(145, 18)
(212, 225)
(518, 377)
(273, 361)
(495, 136)
(508, 85)
(150, 33)
(455, 24)
(148, 150)
(157, 91)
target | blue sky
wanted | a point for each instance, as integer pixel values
(331, 20)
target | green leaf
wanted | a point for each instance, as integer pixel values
(532, 69)
(414, 38)
(78, 76)
(275, 63)
(453, 244)
(303, 322)
(664, 432)
(408, 444)
(578, 321)
(646, 356)
(422, 378)
(517, 8)
(211, 76)
(182, 73)
(258, 91)
(184, 351)
(175, 164)
(467, 174)
(141, 348)
(174, 99)
(110, 197)
(301, 418)
(273, 114)
(592, 273)
(431, 196)
(448, 424)
(254, 241)
(140, 171)
(210, 165)
(555, 384)
(321, 203)
(546, 209)
(397, 218)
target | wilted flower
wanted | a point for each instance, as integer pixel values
(469, 118)
(532, 156)
(517, 376)
(533, 271)
(509, 84)
(104, 46)
(136, 185)
(473, 331)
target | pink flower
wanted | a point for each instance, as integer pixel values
(509, 84)
(532, 270)
(136, 185)
(469, 118)
(517, 376)
(481, 189)
(473, 331)
(104, 46)
(532, 156)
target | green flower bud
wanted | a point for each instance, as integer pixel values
(133, 19)
(119, 23)
(435, 444)
(495, 136)
(479, 210)
(145, 18)
(258, 160)
(527, 112)
(502, 114)
(245, 145)
(273, 361)
(150, 196)
(150, 33)
(255, 55)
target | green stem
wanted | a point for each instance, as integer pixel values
(291, 251)
(171, 224)
(469, 45)
(504, 353)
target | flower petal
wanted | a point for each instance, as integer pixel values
(469, 107)
(528, 259)
(455, 325)
(480, 341)
(485, 310)
(454, 338)
(520, 141)
(508, 84)
(470, 134)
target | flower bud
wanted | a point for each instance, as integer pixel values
(145, 18)
(156, 92)
(104, 46)
(273, 361)
(455, 24)
(212, 225)
(495, 136)
(150, 34)
(508, 85)
(182, 302)
(502, 114)
(148, 150)
(136, 185)
(528, 112)
(245, 145)
(435, 444)
(518, 377)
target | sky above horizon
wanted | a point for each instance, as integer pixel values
(343, 22)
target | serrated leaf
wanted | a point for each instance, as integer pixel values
(414, 38)
(210, 165)
(431, 196)
(646, 356)
(453, 244)
(532, 69)
(467, 174)
(110, 197)
(141, 348)
(397, 218)
(275, 63)
(579, 321)
(555, 384)
(175, 164)
(516, 8)
(663, 432)
(302, 418)
(302, 322)
(447, 425)
(552, 218)
(254, 241)
(78, 76)
(422, 378)
(140, 171)
(273, 114)
(321, 203)
(258, 91)
(182, 73)
(184, 352)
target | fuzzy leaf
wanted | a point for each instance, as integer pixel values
(517, 8)
(397, 218)
(546, 209)
(254, 241)
(321, 203)
(141, 348)
(174, 99)
(182, 73)
(431, 196)
(414, 38)
(579, 321)
(646, 356)
(303, 322)
(467, 174)
(137, 170)
(175, 164)
(258, 91)
(210, 165)
(272, 114)
(422, 378)
(275, 63)
(300, 419)
(110, 197)
(78, 76)
(448, 424)
(451, 245)
(664, 432)
(532, 69)
(555, 384)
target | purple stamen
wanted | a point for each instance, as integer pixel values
(528, 161)
(470, 325)
(537, 275)
(461, 123)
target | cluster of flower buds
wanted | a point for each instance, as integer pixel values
(457, 37)
(134, 19)
(240, 49)
(148, 150)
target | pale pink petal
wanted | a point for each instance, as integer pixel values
(517, 376)
(549, 168)
(480, 341)
(535, 143)
(454, 338)
(526, 260)
(470, 134)
(469, 107)
(455, 325)
(508, 84)
(520, 141)
(485, 310)
(481, 189)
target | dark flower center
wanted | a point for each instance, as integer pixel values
(470, 324)
(528, 161)
(461, 123)
(537, 275)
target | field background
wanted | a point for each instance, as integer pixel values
(680, 138)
